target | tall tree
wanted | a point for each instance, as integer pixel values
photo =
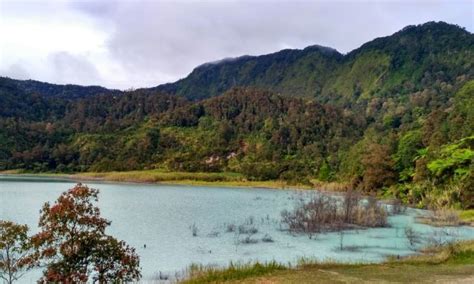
(73, 246)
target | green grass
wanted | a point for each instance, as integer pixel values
(450, 263)
(160, 176)
(206, 274)
(186, 178)
(467, 216)
(166, 177)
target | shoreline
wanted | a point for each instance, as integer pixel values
(230, 180)
(133, 178)
(450, 263)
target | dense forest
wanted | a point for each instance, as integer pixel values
(395, 116)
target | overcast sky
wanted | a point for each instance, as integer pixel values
(132, 43)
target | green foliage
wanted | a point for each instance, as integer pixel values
(15, 251)
(382, 114)
(324, 172)
(408, 149)
(455, 159)
(361, 77)
(463, 115)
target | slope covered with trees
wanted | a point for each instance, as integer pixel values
(395, 116)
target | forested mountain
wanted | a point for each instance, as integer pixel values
(407, 61)
(293, 72)
(53, 90)
(395, 115)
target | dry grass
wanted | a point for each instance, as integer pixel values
(185, 178)
(453, 263)
(11, 172)
(331, 186)
(442, 218)
(209, 274)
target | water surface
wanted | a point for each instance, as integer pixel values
(161, 216)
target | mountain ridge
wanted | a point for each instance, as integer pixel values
(297, 72)
(396, 119)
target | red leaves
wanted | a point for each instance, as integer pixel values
(52, 276)
(73, 243)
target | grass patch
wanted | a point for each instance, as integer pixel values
(185, 178)
(160, 176)
(152, 176)
(442, 218)
(207, 274)
(448, 263)
(467, 216)
(455, 253)
(11, 172)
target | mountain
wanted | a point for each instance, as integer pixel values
(408, 61)
(422, 54)
(393, 117)
(290, 71)
(53, 90)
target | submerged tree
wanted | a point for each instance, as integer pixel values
(73, 246)
(15, 248)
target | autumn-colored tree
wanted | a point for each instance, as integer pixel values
(73, 246)
(15, 248)
(378, 167)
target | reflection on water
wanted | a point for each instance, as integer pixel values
(181, 225)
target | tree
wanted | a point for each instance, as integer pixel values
(407, 150)
(73, 246)
(15, 248)
(378, 167)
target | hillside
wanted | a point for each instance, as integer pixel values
(293, 72)
(420, 55)
(54, 90)
(394, 117)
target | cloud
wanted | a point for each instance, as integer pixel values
(17, 71)
(68, 68)
(146, 43)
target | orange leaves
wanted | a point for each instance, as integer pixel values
(49, 252)
(73, 246)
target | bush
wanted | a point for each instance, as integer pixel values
(267, 239)
(324, 214)
(244, 229)
(230, 228)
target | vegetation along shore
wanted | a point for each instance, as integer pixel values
(453, 263)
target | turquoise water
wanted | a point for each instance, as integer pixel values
(162, 217)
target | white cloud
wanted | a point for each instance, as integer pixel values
(144, 43)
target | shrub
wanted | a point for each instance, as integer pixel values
(324, 214)
(245, 229)
(230, 228)
(412, 236)
(267, 239)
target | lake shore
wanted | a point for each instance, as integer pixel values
(120, 200)
(200, 179)
(453, 263)
(162, 177)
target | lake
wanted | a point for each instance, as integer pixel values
(162, 217)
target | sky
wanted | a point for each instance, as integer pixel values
(133, 43)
